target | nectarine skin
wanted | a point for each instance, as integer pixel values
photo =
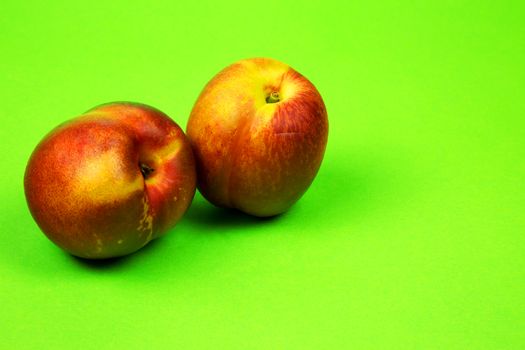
(108, 182)
(259, 131)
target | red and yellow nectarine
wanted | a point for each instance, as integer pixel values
(259, 131)
(108, 182)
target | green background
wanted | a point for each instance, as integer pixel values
(411, 236)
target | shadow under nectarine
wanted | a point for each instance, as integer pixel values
(203, 213)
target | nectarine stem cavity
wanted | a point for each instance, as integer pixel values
(145, 170)
(273, 97)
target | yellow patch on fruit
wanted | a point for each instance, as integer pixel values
(289, 89)
(167, 152)
(101, 179)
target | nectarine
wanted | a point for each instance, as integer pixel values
(259, 131)
(108, 182)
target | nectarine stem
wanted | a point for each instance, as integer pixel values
(145, 170)
(273, 97)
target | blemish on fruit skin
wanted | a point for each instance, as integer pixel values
(119, 241)
(99, 245)
(146, 220)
